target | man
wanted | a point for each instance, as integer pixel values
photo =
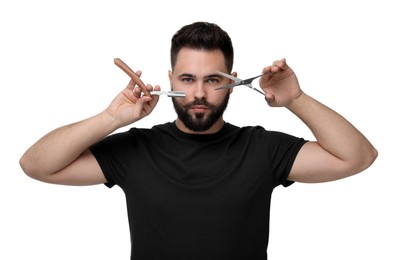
(199, 187)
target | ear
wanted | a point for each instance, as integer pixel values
(170, 75)
(234, 74)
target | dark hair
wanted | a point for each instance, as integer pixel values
(202, 36)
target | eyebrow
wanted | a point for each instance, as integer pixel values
(188, 75)
(215, 75)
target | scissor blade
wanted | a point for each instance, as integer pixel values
(249, 85)
(237, 81)
(229, 86)
(257, 90)
(228, 76)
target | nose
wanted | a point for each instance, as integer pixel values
(199, 90)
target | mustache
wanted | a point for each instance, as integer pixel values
(200, 102)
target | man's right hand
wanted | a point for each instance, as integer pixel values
(62, 156)
(130, 105)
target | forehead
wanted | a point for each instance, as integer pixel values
(199, 62)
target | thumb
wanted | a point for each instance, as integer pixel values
(269, 97)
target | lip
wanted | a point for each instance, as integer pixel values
(199, 109)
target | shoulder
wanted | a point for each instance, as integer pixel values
(270, 139)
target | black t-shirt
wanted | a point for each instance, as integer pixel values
(198, 196)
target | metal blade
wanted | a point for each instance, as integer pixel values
(169, 93)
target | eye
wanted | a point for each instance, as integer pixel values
(187, 80)
(212, 81)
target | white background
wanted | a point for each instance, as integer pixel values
(56, 67)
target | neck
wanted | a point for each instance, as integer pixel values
(212, 130)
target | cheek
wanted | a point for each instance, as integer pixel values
(216, 96)
(177, 84)
(189, 94)
(181, 102)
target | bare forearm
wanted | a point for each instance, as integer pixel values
(63, 145)
(334, 133)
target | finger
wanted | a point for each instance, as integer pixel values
(137, 92)
(133, 89)
(269, 98)
(131, 85)
(270, 70)
(281, 64)
(148, 105)
(266, 70)
(140, 104)
(267, 73)
(149, 87)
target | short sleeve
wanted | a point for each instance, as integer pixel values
(113, 154)
(282, 150)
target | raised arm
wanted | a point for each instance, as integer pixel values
(340, 150)
(62, 155)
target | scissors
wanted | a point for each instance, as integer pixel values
(239, 82)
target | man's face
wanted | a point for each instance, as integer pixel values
(195, 72)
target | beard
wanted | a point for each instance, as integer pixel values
(200, 122)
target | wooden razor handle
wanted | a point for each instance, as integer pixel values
(123, 66)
